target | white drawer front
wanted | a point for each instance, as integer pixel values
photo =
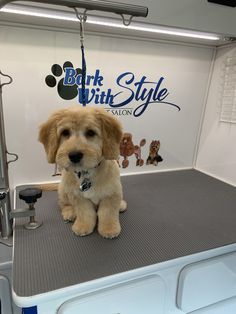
(205, 283)
(146, 295)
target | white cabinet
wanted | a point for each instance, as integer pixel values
(205, 283)
(146, 295)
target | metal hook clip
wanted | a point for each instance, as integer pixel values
(8, 76)
(82, 17)
(126, 22)
(16, 157)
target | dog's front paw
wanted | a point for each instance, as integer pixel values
(110, 230)
(83, 228)
(68, 214)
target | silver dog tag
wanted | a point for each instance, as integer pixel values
(85, 185)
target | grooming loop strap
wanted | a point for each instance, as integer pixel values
(82, 19)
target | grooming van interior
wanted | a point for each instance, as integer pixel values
(167, 70)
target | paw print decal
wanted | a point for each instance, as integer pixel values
(65, 92)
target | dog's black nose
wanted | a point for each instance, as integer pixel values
(75, 156)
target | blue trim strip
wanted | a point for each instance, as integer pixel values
(30, 310)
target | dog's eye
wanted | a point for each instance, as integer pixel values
(65, 133)
(90, 133)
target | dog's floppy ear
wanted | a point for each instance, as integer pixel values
(112, 134)
(48, 136)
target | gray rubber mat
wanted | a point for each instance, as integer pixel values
(169, 215)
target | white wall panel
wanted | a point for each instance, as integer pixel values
(28, 56)
(217, 151)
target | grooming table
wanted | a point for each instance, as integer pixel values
(170, 215)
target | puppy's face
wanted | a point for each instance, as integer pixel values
(79, 138)
(80, 144)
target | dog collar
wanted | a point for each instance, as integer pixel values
(86, 183)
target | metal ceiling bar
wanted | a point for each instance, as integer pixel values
(98, 5)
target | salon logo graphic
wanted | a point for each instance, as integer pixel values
(131, 90)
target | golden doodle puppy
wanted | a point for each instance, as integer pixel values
(84, 143)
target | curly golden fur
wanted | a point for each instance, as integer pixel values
(86, 139)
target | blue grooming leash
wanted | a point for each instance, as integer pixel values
(83, 77)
